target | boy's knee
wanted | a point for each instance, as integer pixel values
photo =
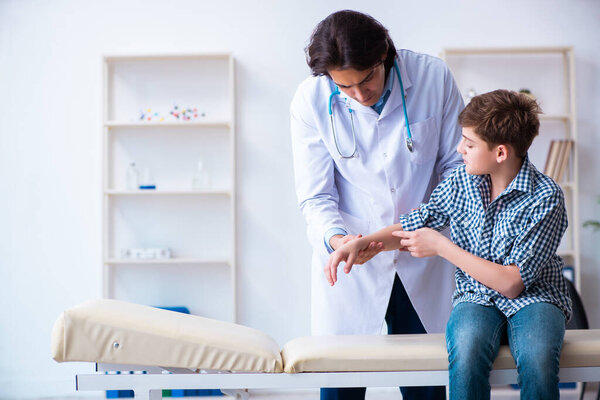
(538, 363)
(468, 348)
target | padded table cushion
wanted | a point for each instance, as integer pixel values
(154, 337)
(581, 348)
(151, 336)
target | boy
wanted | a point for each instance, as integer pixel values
(507, 220)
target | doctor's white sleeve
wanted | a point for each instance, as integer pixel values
(314, 172)
(450, 130)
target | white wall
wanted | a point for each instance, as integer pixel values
(50, 143)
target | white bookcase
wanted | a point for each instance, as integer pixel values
(549, 73)
(198, 225)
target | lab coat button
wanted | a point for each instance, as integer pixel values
(385, 154)
(392, 190)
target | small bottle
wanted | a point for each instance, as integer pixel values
(147, 181)
(201, 179)
(132, 177)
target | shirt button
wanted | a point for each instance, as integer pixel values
(486, 234)
(392, 190)
(395, 260)
(385, 154)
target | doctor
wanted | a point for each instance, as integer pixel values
(373, 132)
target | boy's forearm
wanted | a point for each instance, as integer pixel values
(505, 279)
(384, 236)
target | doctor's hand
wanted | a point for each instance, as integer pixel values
(424, 242)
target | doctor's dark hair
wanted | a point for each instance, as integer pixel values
(349, 39)
(503, 117)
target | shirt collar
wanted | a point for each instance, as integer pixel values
(523, 182)
(387, 90)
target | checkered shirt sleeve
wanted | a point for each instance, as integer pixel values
(436, 213)
(537, 243)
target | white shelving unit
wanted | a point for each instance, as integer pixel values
(549, 73)
(197, 225)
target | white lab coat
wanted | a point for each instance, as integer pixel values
(364, 194)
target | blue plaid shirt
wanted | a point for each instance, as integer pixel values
(522, 226)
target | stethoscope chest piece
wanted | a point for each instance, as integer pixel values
(355, 155)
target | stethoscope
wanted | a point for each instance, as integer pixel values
(409, 142)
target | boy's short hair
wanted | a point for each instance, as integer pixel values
(503, 117)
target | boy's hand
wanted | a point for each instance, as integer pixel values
(353, 252)
(424, 242)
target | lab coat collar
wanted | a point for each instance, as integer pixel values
(395, 99)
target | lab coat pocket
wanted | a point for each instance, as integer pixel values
(355, 225)
(425, 141)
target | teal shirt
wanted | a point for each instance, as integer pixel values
(387, 90)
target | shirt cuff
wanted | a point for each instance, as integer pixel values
(525, 260)
(411, 221)
(329, 234)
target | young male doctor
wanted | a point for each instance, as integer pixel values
(374, 130)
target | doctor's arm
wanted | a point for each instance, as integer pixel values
(317, 192)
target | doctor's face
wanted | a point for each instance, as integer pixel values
(365, 86)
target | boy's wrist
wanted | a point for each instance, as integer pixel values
(444, 247)
(361, 243)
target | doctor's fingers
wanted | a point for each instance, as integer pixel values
(371, 251)
(349, 238)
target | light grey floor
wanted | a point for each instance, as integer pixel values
(498, 393)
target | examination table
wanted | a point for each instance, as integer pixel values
(169, 350)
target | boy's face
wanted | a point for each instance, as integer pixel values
(477, 156)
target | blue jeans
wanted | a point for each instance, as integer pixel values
(535, 336)
(400, 317)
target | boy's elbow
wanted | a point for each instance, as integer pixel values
(513, 282)
(514, 290)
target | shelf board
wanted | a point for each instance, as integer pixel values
(554, 117)
(173, 261)
(170, 124)
(115, 58)
(507, 50)
(156, 192)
